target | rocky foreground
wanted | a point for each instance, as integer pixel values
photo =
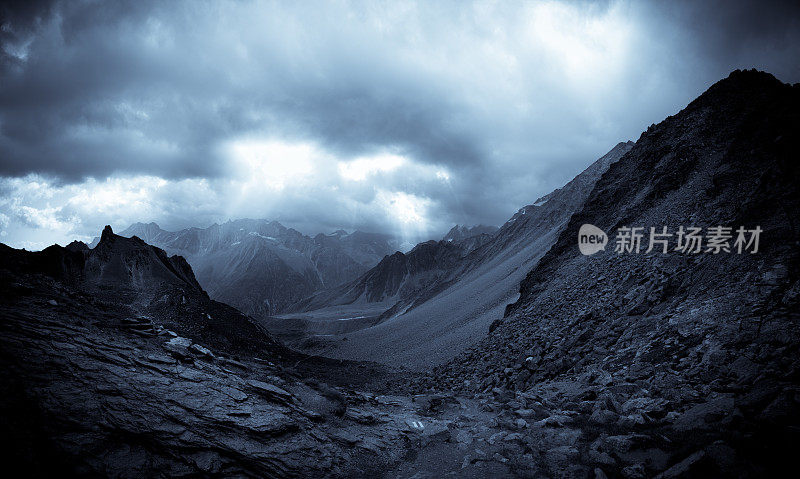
(89, 388)
(95, 389)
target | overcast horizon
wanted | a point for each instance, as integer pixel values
(403, 118)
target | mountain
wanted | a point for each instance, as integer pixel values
(459, 233)
(262, 267)
(692, 353)
(396, 278)
(160, 289)
(470, 238)
(118, 263)
(423, 307)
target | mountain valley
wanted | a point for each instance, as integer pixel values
(247, 349)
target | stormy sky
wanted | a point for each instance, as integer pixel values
(399, 117)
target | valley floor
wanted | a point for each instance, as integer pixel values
(426, 335)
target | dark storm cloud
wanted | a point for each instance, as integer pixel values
(22, 15)
(727, 28)
(70, 106)
(506, 101)
(753, 34)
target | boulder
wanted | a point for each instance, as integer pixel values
(270, 391)
(179, 347)
(201, 351)
(683, 468)
(703, 415)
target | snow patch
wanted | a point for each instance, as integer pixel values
(354, 317)
(271, 238)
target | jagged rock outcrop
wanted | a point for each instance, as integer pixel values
(130, 272)
(117, 263)
(470, 238)
(461, 232)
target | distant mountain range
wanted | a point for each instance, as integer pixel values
(261, 267)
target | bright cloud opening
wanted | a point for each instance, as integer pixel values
(272, 163)
(360, 168)
(583, 43)
(405, 208)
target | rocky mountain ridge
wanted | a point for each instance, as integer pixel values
(160, 288)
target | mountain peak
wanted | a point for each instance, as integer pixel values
(151, 224)
(741, 86)
(107, 234)
(752, 75)
(77, 246)
(462, 232)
